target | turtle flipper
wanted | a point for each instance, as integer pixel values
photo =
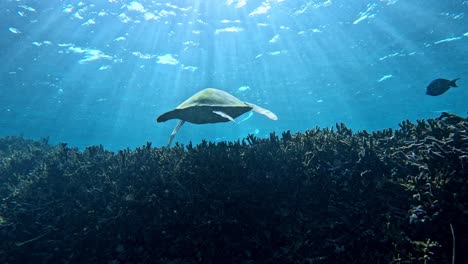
(174, 132)
(224, 115)
(263, 111)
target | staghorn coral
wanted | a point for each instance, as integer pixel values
(324, 196)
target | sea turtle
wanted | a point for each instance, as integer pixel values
(210, 106)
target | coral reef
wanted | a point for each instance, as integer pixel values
(324, 196)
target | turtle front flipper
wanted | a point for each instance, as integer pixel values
(224, 115)
(262, 111)
(174, 132)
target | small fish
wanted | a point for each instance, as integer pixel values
(440, 86)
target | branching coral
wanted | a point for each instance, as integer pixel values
(324, 196)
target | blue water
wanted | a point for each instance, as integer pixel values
(100, 72)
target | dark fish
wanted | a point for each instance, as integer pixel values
(440, 86)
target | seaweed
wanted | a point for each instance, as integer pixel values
(323, 196)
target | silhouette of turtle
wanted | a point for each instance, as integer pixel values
(210, 106)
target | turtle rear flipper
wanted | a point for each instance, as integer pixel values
(262, 111)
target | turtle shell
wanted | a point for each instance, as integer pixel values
(199, 108)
